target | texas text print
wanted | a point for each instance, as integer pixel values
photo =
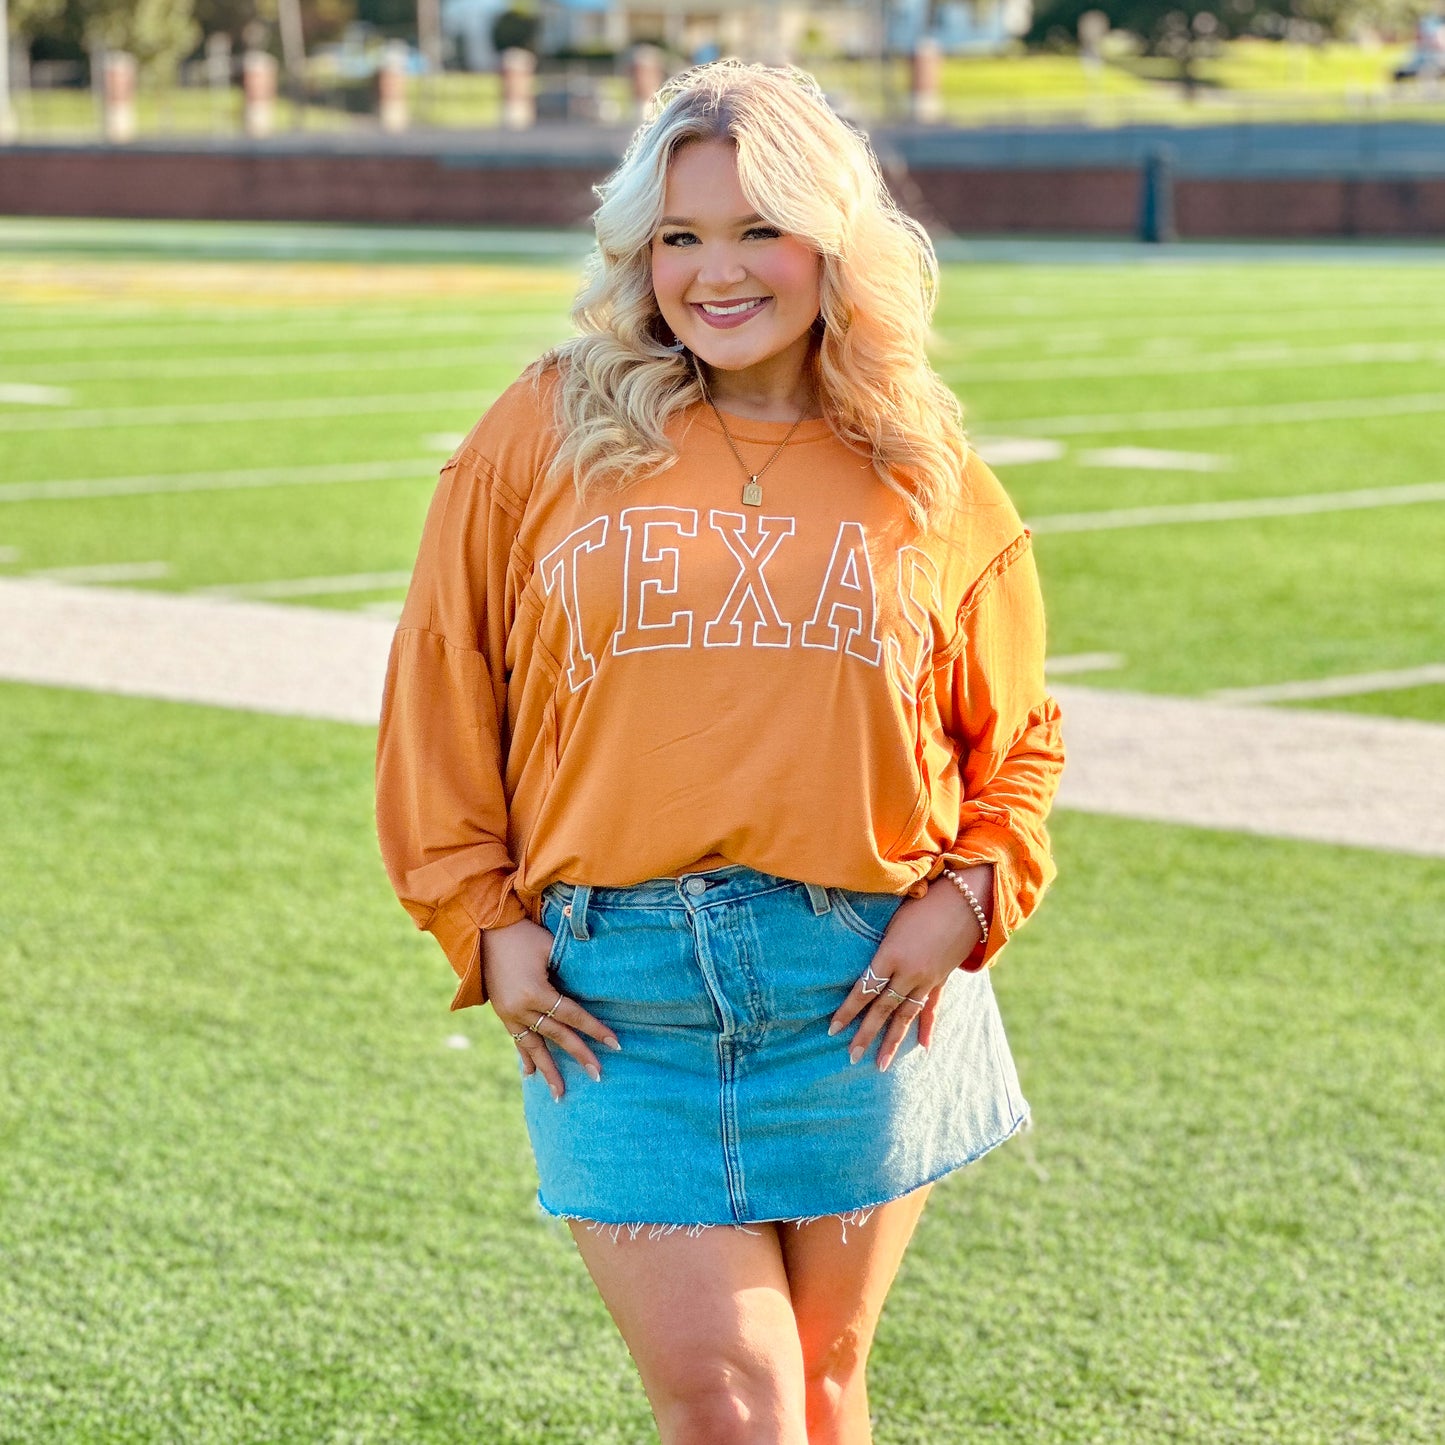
(845, 617)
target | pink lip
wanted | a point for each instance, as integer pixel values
(726, 323)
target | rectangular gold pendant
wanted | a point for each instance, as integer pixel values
(753, 493)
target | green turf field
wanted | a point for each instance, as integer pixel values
(256, 1184)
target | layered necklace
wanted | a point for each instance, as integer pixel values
(753, 489)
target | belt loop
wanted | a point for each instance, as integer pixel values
(578, 916)
(818, 897)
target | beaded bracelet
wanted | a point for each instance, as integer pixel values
(973, 902)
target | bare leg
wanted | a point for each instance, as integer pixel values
(710, 1325)
(837, 1292)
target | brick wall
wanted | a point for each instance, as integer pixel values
(454, 187)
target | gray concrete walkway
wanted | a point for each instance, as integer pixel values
(1328, 777)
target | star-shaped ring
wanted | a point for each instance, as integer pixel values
(871, 984)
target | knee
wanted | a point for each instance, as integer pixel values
(722, 1404)
(833, 1373)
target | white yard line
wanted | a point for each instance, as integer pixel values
(1151, 459)
(1260, 357)
(24, 393)
(209, 412)
(311, 586)
(1017, 451)
(1345, 685)
(1369, 782)
(324, 363)
(242, 480)
(1073, 663)
(324, 328)
(1207, 418)
(96, 572)
(1305, 505)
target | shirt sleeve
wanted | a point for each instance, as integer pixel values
(1006, 727)
(441, 805)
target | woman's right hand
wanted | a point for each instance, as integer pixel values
(534, 1011)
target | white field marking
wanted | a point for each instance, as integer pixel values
(1260, 357)
(1364, 782)
(256, 656)
(1330, 777)
(458, 1041)
(1306, 505)
(444, 441)
(100, 338)
(1344, 685)
(322, 363)
(1017, 451)
(310, 586)
(1073, 663)
(105, 572)
(1206, 417)
(24, 393)
(391, 610)
(213, 413)
(1150, 459)
(159, 483)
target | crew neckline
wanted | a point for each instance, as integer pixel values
(750, 429)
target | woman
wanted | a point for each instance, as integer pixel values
(716, 754)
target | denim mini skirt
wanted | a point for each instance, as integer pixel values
(729, 1103)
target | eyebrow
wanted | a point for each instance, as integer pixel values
(751, 220)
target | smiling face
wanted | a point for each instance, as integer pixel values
(739, 293)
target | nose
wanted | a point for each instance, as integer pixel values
(721, 267)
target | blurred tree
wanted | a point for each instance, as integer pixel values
(1161, 24)
(391, 17)
(321, 20)
(159, 33)
(515, 29)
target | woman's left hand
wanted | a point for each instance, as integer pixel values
(927, 939)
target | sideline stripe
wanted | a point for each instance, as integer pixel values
(1303, 506)
(1333, 777)
(203, 413)
(144, 486)
(310, 586)
(1346, 685)
(1202, 418)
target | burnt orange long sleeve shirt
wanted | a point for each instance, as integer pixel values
(661, 678)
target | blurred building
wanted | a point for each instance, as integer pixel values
(758, 29)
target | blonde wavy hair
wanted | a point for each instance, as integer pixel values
(806, 172)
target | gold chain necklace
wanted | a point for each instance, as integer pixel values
(753, 491)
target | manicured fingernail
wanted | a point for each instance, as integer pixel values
(594, 1073)
(884, 1063)
(613, 1045)
(854, 1055)
(556, 1096)
(834, 1028)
